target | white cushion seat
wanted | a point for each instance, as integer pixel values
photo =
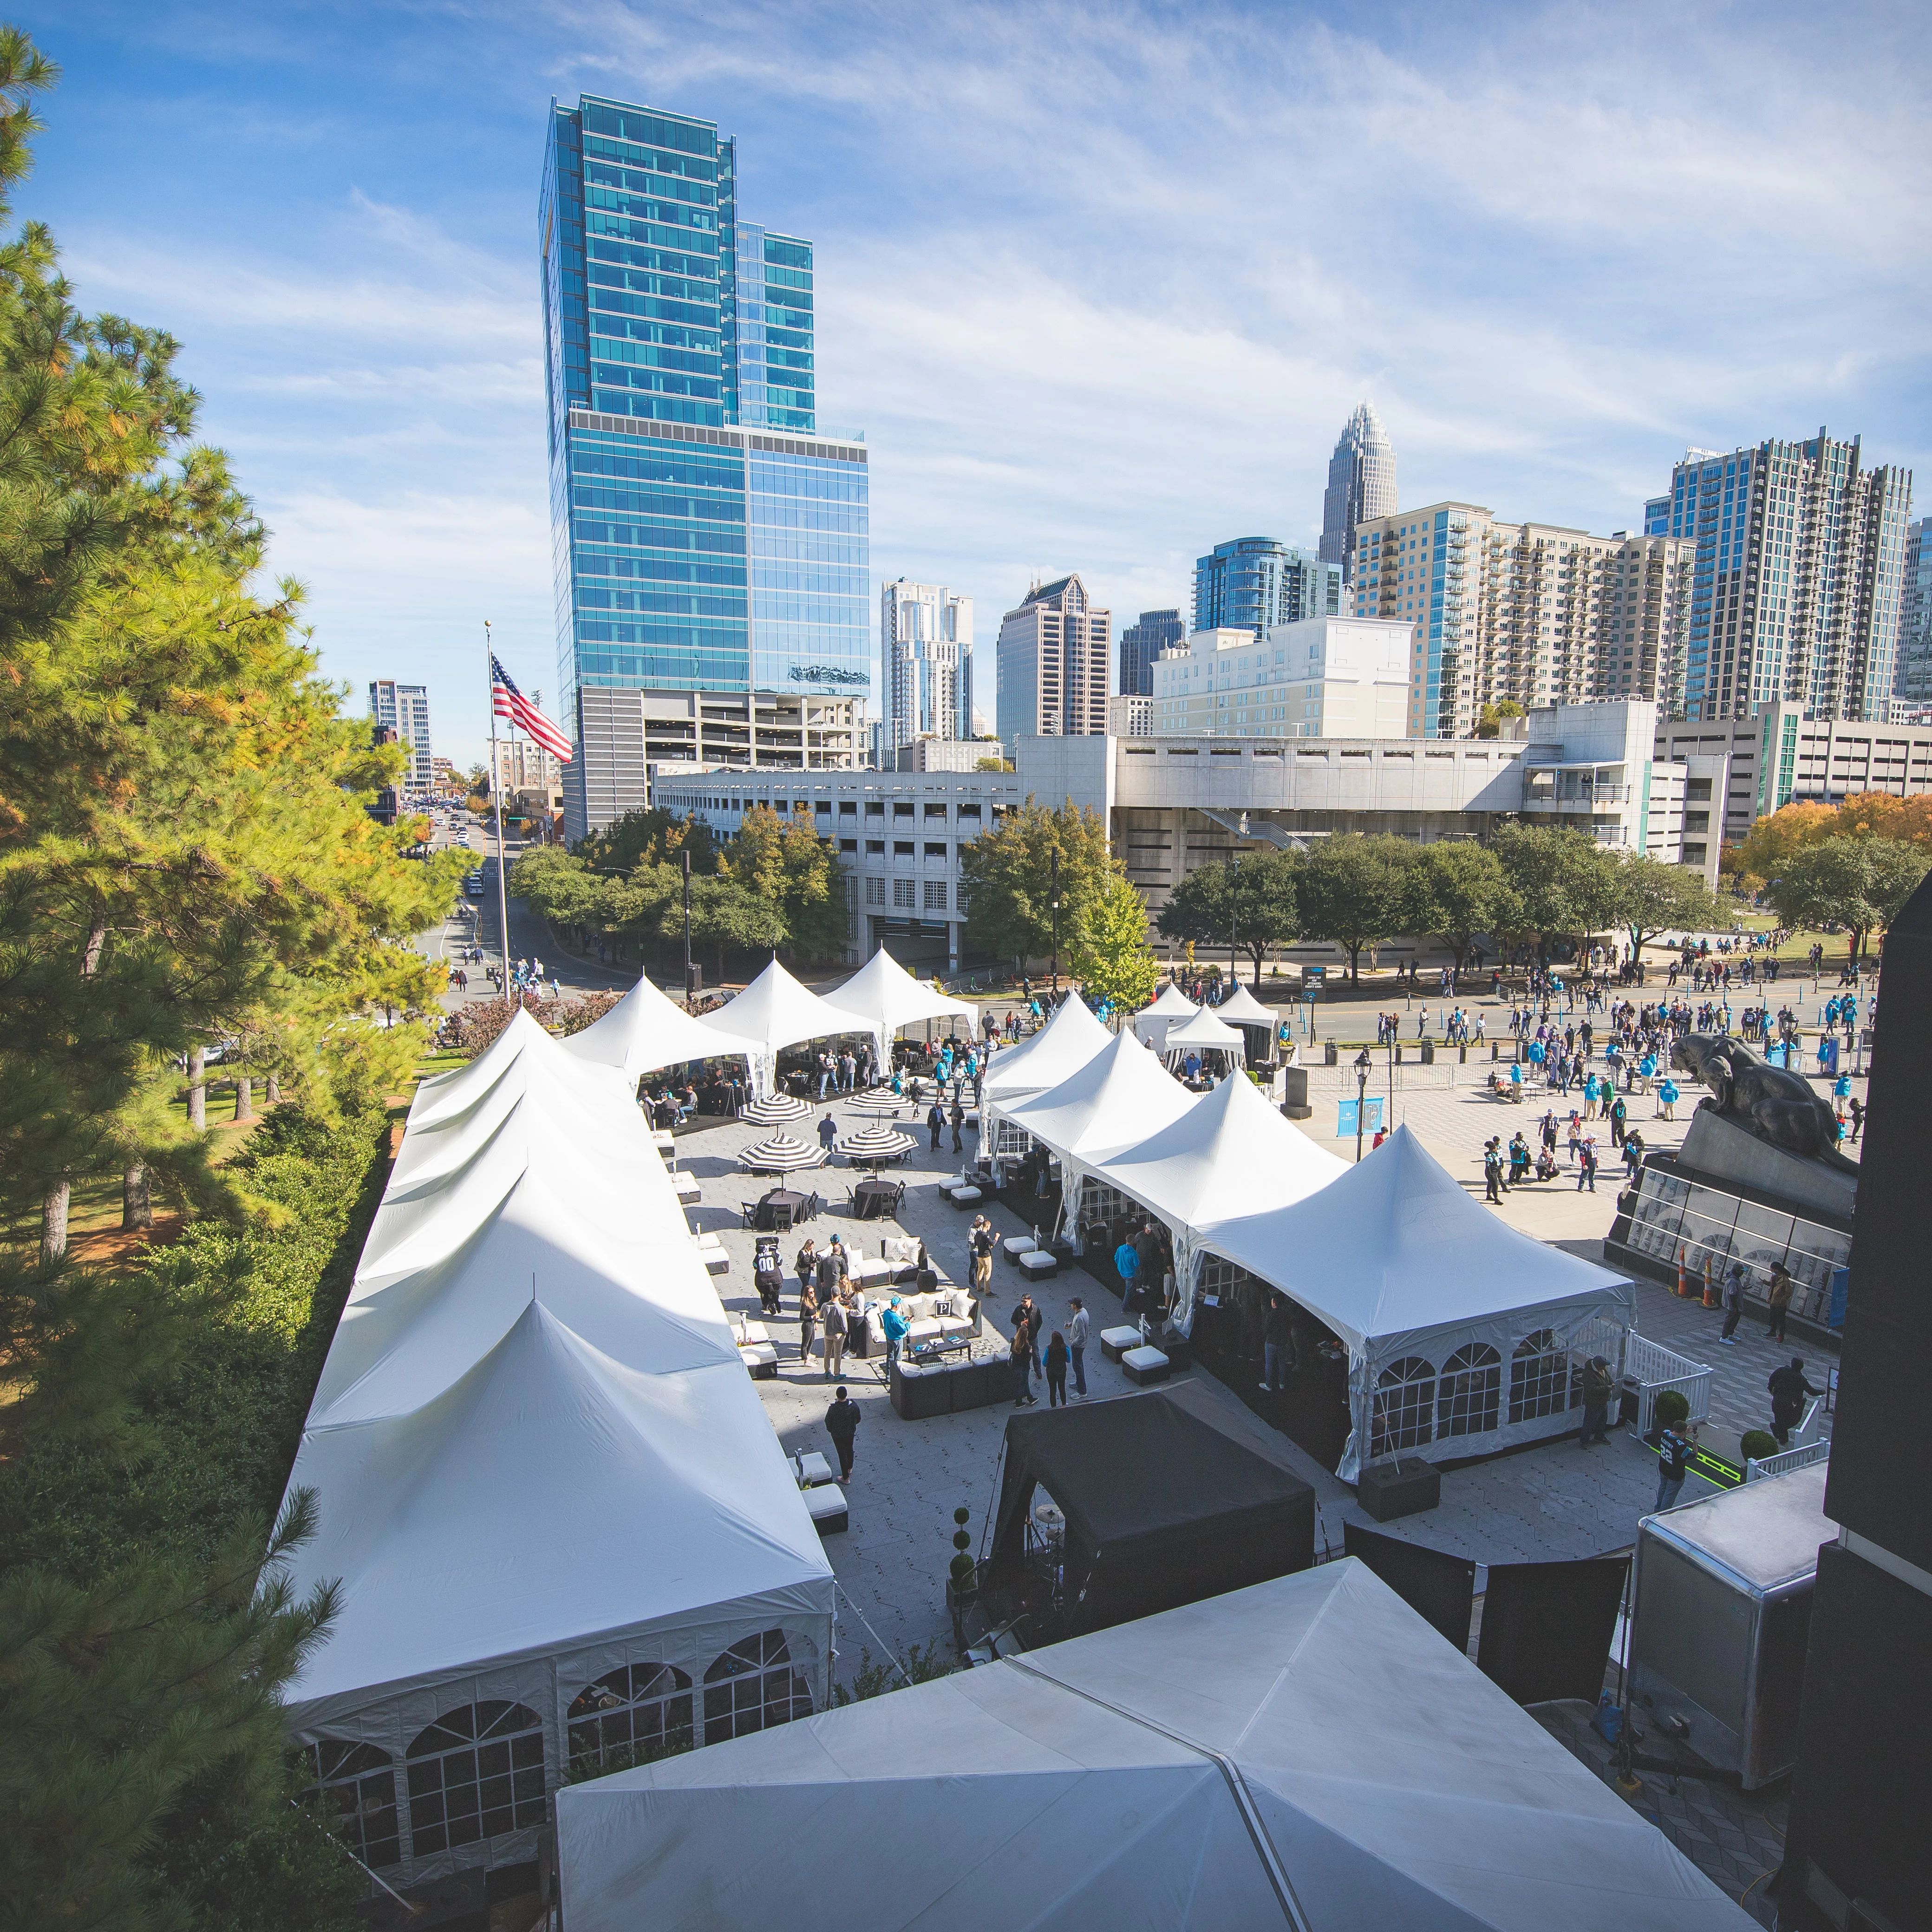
(926, 1330)
(686, 1188)
(663, 1140)
(826, 1502)
(761, 1359)
(1114, 1342)
(1015, 1245)
(964, 1197)
(902, 1248)
(817, 1469)
(750, 1333)
(1038, 1261)
(1145, 1365)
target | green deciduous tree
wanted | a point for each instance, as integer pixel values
(1111, 958)
(1852, 885)
(1458, 890)
(1008, 874)
(1253, 903)
(1565, 885)
(1354, 891)
(1656, 897)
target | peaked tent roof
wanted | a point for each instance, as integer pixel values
(886, 997)
(1203, 1030)
(1390, 1783)
(1120, 1095)
(550, 1493)
(1064, 1044)
(1395, 1248)
(775, 1011)
(1151, 1023)
(1229, 1154)
(647, 1029)
(1241, 1008)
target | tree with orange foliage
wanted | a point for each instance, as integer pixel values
(1775, 842)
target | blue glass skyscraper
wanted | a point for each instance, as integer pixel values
(1252, 583)
(709, 543)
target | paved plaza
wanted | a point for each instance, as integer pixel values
(1550, 1501)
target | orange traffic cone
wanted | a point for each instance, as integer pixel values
(1683, 1286)
(1710, 1286)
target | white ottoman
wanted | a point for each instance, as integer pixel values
(1114, 1342)
(761, 1360)
(686, 1187)
(827, 1503)
(964, 1197)
(817, 1469)
(1145, 1365)
(1039, 1264)
(1015, 1245)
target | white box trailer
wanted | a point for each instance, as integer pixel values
(1724, 1613)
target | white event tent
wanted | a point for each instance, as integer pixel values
(1228, 1153)
(1241, 1009)
(1307, 1754)
(541, 1477)
(1064, 1044)
(1119, 1097)
(886, 997)
(647, 1031)
(1203, 1034)
(1458, 1329)
(773, 1012)
(1150, 1024)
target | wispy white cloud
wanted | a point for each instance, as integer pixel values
(1101, 282)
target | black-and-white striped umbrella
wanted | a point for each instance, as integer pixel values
(875, 1143)
(779, 1153)
(878, 1109)
(775, 1110)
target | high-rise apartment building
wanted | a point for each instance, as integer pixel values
(1253, 583)
(1361, 486)
(1535, 613)
(1800, 572)
(1141, 643)
(925, 647)
(404, 708)
(1052, 668)
(1912, 682)
(710, 544)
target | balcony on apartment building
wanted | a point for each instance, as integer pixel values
(1567, 787)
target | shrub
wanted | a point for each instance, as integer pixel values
(1757, 1444)
(1672, 1409)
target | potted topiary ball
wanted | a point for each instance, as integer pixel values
(1671, 1410)
(1757, 1444)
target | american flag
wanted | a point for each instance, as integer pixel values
(510, 703)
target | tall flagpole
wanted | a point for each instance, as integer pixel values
(496, 808)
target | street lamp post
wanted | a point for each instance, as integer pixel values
(686, 856)
(1056, 923)
(1234, 924)
(1362, 1064)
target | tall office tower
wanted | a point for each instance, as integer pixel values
(710, 544)
(1361, 488)
(1534, 612)
(1141, 643)
(404, 708)
(1911, 684)
(1801, 567)
(1253, 583)
(1052, 664)
(926, 646)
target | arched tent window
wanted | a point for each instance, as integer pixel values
(356, 1785)
(1405, 1399)
(633, 1716)
(752, 1686)
(477, 1770)
(1539, 1377)
(1468, 1395)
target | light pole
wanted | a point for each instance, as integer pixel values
(685, 854)
(1056, 923)
(1362, 1064)
(1234, 923)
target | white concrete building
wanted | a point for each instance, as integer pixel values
(404, 708)
(1130, 715)
(1325, 677)
(1737, 770)
(925, 649)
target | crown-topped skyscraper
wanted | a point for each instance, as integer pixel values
(1361, 486)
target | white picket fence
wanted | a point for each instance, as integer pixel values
(1635, 1358)
(1786, 1460)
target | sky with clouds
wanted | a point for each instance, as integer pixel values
(1100, 284)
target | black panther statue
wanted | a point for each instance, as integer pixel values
(1768, 1102)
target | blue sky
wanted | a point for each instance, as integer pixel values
(1099, 283)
